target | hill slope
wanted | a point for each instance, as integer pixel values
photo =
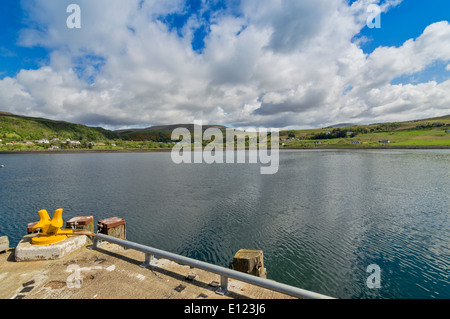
(161, 133)
(430, 132)
(23, 128)
(17, 129)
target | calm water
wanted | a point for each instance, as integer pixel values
(321, 220)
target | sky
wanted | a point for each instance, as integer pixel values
(242, 63)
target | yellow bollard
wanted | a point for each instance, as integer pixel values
(51, 231)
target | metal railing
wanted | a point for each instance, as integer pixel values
(224, 273)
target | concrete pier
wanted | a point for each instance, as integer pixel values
(112, 272)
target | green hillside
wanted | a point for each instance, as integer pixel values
(22, 133)
(162, 133)
(430, 132)
(16, 128)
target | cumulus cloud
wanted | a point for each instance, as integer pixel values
(281, 64)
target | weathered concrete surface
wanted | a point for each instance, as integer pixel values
(4, 243)
(250, 261)
(111, 272)
(26, 251)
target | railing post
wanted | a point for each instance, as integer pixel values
(95, 243)
(148, 260)
(223, 285)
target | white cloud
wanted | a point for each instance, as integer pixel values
(126, 67)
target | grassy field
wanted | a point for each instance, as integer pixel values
(426, 133)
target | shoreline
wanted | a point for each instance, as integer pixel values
(166, 150)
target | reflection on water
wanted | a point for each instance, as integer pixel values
(321, 220)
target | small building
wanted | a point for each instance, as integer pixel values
(317, 143)
(384, 142)
(42, 141)
(97, 144)
(74, 143)
(355, 142)
(448, 131)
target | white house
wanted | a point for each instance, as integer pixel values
(74, 143)
(42, 141)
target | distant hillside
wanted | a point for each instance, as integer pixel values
(160, 133)
(168, 128)
(430, 132)
(16, 131)
(342, 125)
(24, 128)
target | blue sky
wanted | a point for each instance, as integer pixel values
(251, 63)
(406, 21)
(14, 57)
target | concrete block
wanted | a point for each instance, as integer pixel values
(250, 261)
(114, 227)
(26, 251)
(4, 243)
(81, 222)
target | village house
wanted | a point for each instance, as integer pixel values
(74, 143)
(42, 141)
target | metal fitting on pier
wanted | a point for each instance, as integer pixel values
(50, 231)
